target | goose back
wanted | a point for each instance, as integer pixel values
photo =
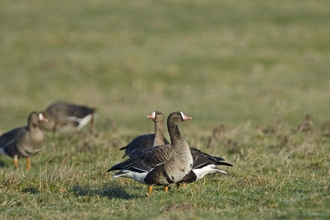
(64, 116)
(139, 144)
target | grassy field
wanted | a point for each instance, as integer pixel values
(246, 71)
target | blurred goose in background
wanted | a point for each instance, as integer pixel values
(146, 141)
(23, 141)
(64, 116)
(160, 165)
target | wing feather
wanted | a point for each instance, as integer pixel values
(157, 155)
(146, 160)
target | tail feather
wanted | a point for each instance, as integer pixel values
(134, 164)
(115, 167)
(119, 174)
(124, 148)
(220, 171)
(223, 163)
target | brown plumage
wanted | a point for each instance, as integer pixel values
(160, 165)
(158, 118)
(23, 141)
(64, 116)
(203, 163)
(139, 144)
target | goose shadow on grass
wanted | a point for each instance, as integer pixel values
(107, 190)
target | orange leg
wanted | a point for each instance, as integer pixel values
(166, 188)
(149, 190)
(28, 163)
(16, 161)
(184, 185)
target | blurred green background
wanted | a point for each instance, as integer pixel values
(219, 61)
(243, 64)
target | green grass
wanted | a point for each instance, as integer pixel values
(242, 64)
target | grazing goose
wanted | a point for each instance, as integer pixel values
(143, 142)
(160, 165)
(203, 164)
(63, 116)
(23, 141)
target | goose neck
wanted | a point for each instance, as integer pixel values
(174, 132)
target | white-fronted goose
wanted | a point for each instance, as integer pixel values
(203, 164)
(160, 165)
(143, 142)
(23, 141)
(64, 116)
(158, 118)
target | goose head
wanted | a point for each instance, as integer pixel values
(156, 116)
